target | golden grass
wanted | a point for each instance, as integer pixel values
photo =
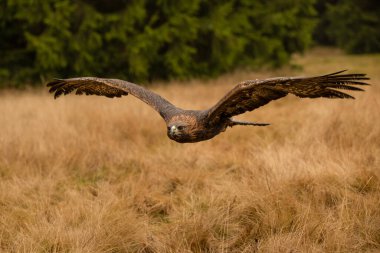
(91, 174)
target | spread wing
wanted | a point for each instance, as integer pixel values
(111, 88)
(252, 94)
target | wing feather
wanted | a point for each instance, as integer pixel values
(111, 88)
(252, 94)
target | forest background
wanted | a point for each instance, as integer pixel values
(146, 40)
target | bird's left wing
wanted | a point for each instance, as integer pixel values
(252, 94)
(111, 88)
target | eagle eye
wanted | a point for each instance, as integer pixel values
(180, 128)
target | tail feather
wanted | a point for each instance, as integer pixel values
(246, 123)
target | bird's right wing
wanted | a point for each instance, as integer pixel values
(252, 94)
(111, 88)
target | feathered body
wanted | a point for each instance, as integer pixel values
(192, 126)
(198, 125)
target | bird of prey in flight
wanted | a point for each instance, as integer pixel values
(199, 125)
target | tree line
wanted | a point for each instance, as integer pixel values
(143, 40)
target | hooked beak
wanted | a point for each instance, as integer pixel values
(172, 130)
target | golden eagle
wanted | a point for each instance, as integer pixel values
(199, 125)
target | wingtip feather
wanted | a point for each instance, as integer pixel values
(336, 73)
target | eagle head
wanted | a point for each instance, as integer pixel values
(178, 131)
(185, 128)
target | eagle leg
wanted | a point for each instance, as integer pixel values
(245, 123)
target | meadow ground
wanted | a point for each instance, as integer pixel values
(92, 174)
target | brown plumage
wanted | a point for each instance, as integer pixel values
(193, 126)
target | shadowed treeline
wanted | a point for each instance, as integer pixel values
(144, 40)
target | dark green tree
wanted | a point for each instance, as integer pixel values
(353, 25)
(148, 39)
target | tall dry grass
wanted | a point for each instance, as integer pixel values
(91, 174)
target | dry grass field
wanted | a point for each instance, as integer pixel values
(92, 174)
